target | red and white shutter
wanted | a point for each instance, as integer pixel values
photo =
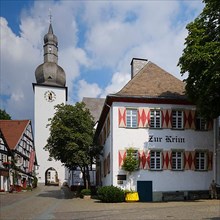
(167, 160)
(121, 157)
(143, 117)
(122, 117)
(189, 160)
(189, 119)
(166, 118)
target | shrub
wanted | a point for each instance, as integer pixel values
(111, 194)
(85, 192)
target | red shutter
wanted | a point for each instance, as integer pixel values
(167, 160)
(148, 159)
(143, 117)
(189, 119)
(166, 118)
(122, 117)
(121, 157)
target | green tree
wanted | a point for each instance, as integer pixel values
(71, 138)
(4, 115)
(131, 162)
(201, 60)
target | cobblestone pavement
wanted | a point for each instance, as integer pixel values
(51, 202)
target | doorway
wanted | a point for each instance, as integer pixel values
(51, 177)
(145, 191)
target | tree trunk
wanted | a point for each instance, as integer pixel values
(86, 176)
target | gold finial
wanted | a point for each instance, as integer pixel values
(50, 15)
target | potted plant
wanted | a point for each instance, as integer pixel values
(85, 193)
(130, 164)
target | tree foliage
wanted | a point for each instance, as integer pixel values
(4, 115)
(71, 138)
(201, 60)
(131, 161)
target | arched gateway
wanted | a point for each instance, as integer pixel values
(51, 177)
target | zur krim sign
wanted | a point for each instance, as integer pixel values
(167, 138)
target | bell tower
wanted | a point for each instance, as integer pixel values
(49, 90)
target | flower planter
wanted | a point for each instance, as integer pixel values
(87, 197)
(132, 197)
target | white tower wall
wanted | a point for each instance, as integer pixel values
(44, 110)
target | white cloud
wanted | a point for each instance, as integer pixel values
(88, 90)
(91, 35)
(118, 81)
(71, 59)
(18, 58)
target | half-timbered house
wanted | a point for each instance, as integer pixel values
(21, 161)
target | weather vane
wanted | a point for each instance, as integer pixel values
(50, 15)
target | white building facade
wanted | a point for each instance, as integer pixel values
(49, 91)
(174, 145)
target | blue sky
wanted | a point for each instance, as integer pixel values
(97, 40)
(11, 9)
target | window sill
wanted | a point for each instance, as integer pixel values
(156, 170)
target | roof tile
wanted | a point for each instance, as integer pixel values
(13, 130)
(153, 82)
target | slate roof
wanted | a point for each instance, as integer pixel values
(95, 106)
(153, 82)
(12, 131)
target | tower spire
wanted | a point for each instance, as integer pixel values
(50, 72)
(50, 15)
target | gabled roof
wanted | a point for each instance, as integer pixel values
(153, 82)
(4, 141)
(13, 130)
(95, 106)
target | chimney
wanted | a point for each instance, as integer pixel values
(136, 65)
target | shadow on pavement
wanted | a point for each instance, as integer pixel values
(57, 192)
